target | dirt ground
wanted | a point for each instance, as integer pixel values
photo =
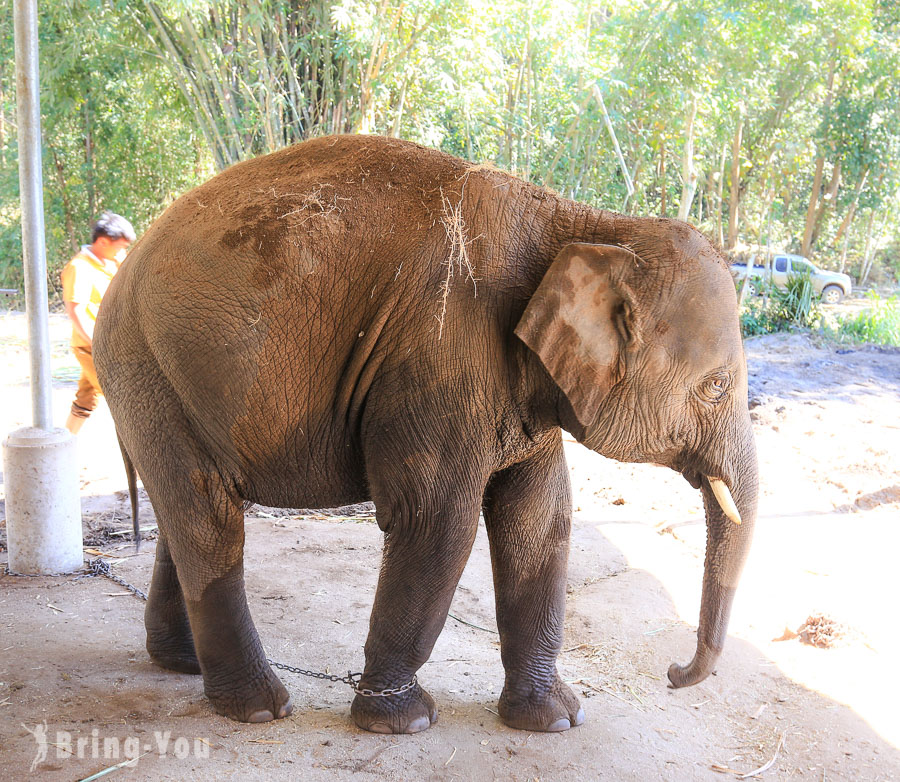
(827, 421)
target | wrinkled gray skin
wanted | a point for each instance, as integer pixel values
(301, 332)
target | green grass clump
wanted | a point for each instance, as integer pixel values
(879, 325)
(756, 321)
(796, 306)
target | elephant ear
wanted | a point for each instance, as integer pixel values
(579, 321)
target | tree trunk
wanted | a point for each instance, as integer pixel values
(812, 209)
(720, 235)
(734, 196)
(2, 125)
(561, 147)
(588, 159)
(398, 116)
(226, 100)
(67, 205)
(865, 264)
(187, 83)
(662, 178)
(844, 229)
(765, 212)
(829, 199)
(688, 170)
(89, 159)
(635, 173)
(872, 247)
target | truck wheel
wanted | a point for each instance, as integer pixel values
(832, 294)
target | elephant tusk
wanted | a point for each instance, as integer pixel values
(726, 501)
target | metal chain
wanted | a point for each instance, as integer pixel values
(8, 572)
(367, 693)
(101, 567)
(351, 678)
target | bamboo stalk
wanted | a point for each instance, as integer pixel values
(612, 133)
(295, 97)
(688, 169)
(734, 195)
(227, 105)
(398, 114)
(266, 84)
(561, 147)
(183, 78)
(662, 175)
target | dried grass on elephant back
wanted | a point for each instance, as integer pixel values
(311, 204)
(458, 261)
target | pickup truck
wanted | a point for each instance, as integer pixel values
(831, 286)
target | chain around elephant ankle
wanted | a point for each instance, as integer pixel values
(351, 678)
(367, 693)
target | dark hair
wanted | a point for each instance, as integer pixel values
(112, 226)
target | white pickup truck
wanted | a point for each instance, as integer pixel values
(831, 286)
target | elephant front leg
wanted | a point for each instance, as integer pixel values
(427, 543)
(528, 512)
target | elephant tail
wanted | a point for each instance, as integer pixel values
(132, 493)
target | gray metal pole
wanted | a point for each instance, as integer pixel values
(28, 104)
(40, 468)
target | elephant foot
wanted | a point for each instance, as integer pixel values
(173, 654)
(259, 699)
(409, 712)
(180, 661)
(170, 642)
(554, 710)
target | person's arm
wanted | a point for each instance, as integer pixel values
(80, 321)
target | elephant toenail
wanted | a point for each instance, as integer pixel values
(418, 724)
(263, 715)
(285, 710)
(561, 724)
(380, 727)
(579, 718)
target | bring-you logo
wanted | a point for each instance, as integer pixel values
(128, 749)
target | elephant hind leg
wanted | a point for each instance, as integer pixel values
(170, 642)
(199, 571)
(203, 526)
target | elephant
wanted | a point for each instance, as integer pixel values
(361, 318)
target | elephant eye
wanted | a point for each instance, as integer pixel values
(715, 387)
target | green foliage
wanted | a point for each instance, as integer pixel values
(795, 306)
(878, 325)
(114, 130)
(143, 100)
(797, 303)
(757, 320)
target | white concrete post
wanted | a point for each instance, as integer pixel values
(43, 509)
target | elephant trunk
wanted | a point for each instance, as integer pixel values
(727, 544)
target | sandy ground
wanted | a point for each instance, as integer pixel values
(827, 421)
